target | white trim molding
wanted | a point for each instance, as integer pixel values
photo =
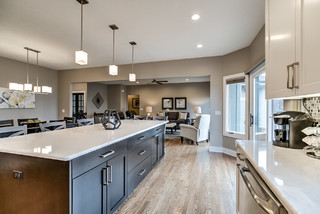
(223, 150)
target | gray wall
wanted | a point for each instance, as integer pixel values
(242, 61)
(46, 105)
(198, 94)
(92, 90)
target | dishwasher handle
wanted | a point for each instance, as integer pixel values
(265, 205)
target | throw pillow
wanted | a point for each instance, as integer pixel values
(183, 116)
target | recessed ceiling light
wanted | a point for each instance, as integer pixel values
(138, 82)
(199, 45)
(195, 17)
(187, 79)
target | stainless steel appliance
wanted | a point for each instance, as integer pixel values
(287, 129)
(253, 194)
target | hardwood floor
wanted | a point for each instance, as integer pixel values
(189, 179)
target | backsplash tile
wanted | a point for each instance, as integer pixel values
(313, 104)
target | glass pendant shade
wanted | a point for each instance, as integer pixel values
(81, 57)
(15, 86)
(37, 89)
(132, 77)
(113, 70)
(27, 87)
(46, 89)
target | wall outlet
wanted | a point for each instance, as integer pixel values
(17, 174)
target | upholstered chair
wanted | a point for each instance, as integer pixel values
(197, 132)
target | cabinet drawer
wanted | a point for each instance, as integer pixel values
(137, 139)
(158, 129)
(138, 174)
(138, 154)
(86, 162)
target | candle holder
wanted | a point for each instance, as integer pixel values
(110, 119)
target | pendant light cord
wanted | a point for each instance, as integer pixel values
(37, 71)
(113, 47)
(132, 58)
(27, 66)
(81, 25)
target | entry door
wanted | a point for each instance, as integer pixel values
(77, 103)
(258, 105)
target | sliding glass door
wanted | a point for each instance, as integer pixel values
(258, 105)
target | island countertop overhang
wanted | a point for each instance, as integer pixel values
(68, 144)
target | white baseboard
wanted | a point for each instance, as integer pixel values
(222, 150)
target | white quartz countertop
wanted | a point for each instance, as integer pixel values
(71, 143)
(290, 173)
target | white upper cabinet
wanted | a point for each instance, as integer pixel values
(292, 43)
(310, 64)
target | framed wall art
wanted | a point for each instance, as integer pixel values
(180, 103)
(167, 103)
(135, 102)
(16, 99)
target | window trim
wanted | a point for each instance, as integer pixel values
(236, 134)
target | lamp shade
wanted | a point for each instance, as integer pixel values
(46, 89)
(27, 87)
(16, 86)
(197, 110)
(149, 109)
(37, 89)
(113, 70)
(132, 77)
(81, 57)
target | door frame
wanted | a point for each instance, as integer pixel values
(84, 104)
(257, 72)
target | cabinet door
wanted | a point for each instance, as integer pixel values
(280, 46)
(89, 193)
(117, 187)
(160, 142)
(310, 75)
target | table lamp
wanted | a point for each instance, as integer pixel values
(197, 111)
(149, 110)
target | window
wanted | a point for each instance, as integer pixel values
(235, 106)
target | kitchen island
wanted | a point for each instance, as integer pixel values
(292, 176)
(79, 170)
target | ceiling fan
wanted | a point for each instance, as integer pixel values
(160, 82)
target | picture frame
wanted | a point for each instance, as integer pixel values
(180, 103)
(167, 103)
(135, 102)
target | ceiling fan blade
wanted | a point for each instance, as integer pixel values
(162, 81)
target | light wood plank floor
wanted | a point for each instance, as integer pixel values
(189, 179)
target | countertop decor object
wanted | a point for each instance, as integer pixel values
(291, 175)
(110, 119)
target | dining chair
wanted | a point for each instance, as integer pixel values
(52, 126)
(85, 122)
(13, 131)
(21, 121)
(6, 123)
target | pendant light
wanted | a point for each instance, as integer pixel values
(38, 89)
(113, 69)
(81, 57)
(27, 86)
(132, 76)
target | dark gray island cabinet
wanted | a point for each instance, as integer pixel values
(94, 183)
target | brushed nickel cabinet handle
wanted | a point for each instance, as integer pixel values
(141, 138)
(108, 153)
(110, 180)
(294, 74)
(105, 176)
(142, 152)
(288, 77)
(142, 172)
(158, 129)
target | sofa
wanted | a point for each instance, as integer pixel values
(173, 117)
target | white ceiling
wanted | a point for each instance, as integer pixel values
(162, 29)
(170, 81)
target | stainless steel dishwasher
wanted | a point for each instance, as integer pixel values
(253, 194)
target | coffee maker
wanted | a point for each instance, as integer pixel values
(287, 129)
